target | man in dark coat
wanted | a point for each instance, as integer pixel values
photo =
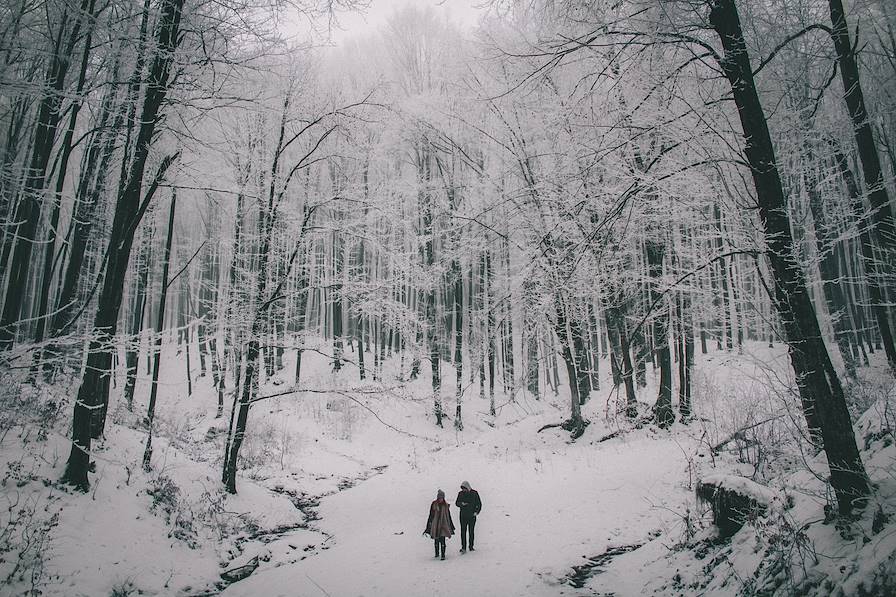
(470, 505)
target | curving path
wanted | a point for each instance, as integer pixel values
(547, 504)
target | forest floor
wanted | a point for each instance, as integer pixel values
(337, 480)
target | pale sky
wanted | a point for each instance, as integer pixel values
(463, 13)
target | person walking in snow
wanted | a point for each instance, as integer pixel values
(439, 525)
(470, 505)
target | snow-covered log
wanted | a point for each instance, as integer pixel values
(734, 500)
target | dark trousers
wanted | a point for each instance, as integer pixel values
(467, 524)
(440, 544)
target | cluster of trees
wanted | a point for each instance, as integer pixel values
(578, 185)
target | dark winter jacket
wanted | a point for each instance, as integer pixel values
(469, 503)
(439, 523)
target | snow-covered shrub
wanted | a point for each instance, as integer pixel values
(124, 588)
(164, 493)
(286, 440)
(341, 417)
(788, 554)
(757, 423)
(879, 424)
(261, 446)
(26, 521)
(34, 409)
(872, 391)
(166, 499)
(211, 512)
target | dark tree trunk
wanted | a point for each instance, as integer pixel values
(869, 260)
(132, 351)
(737, 312)
(245, 392)
(429, 307)
(94, 176)
(532, 361)
(93, 393)
(359, 321)
(882, 215)
(594, 348)
(157, 341)
(641, 347)
(611, 315)
(28, 210)
(830, 269)
(336, 297)
(854, 310)
(822, 396)
(663, 408)
(508, 370)
(49, 249)
(727, 323)
(87, 200)
(301, 312)
(186, 327)
(458, 341)
(482, 333)
(686, 362)
(490, 330)
(570, 334)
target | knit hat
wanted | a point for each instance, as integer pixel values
(440, 495)
(466, 485)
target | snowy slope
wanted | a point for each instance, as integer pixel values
(337, 481)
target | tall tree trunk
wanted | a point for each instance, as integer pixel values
(28, 210)
(531, 342)
(686, 362)
(94, 176)
(489, 328)
(89, 194)
(726, 322)
(93, 393)
(157, 341)
(458, 341)
(662, 410)
(882, 214)
(829, 268)
(508, 370)
(132, 351)
(570, 334)
(822, 396)
(301, 311)
(481, 324)
(336, 298)
(212, 326)
(594, 348)
(66, 152)
(869, 260)
(187, 330)
(610, 317)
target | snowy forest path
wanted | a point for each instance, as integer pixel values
(547, 504)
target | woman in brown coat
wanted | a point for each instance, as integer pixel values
(439, 525)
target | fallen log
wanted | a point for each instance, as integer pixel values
(734, 500)
(240, 572)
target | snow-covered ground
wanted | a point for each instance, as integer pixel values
(338, 478)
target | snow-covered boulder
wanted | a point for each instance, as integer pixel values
(734, 499)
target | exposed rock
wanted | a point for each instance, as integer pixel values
(734, 500)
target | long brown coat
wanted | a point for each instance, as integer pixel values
(439, 523)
